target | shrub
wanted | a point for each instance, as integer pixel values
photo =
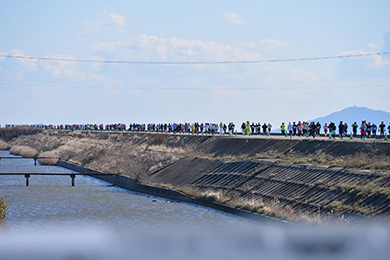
(3, 210)
(15, 150)
(3, 145)
(210, 196)
(51, 158)
(24, 151)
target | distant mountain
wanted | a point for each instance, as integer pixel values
(355, 114)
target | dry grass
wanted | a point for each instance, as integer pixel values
(270, 208)
(210, 196)
(3, 145)
(24, 151)
(276, 209)
(157, 140)
(15, 150)
(8, 134)
(28, 152)
(3, 210)
(51, 158)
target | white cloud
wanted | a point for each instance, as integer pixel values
(106, 20)
(233, 18)
(70, 69)
(269, 44)
(153, 48)
(375, 66)
(145, 47)
(106, 46)
(3, 53)
(27, 64)
(117, 19)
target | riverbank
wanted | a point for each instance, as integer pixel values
(299, 180)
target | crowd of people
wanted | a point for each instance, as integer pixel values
(300, 129)
(367, 130)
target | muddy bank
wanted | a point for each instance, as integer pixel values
(299, 179)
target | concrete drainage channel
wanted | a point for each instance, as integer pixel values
(304, 188)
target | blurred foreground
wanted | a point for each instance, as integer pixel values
(276, 242)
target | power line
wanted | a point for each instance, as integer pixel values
(194, 88)
(194, 62)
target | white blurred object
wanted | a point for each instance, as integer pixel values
(277, 242)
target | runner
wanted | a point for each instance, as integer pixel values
(382, 128)
(269, 128)
(295, 128)
(283, 128)
(290, 129)
(326, 127)
(264, 128)
(374, 128)
(363, 128)
(368, 130)
(318, 128)
(354, 128)
(341, 130)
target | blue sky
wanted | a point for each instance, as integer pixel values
(65, 92)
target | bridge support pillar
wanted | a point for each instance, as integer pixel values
(72, 176)
(27, 179)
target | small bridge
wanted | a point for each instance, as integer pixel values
(35, 158)
(72, 175)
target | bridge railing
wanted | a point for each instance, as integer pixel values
(35, 158)
(70, 174)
